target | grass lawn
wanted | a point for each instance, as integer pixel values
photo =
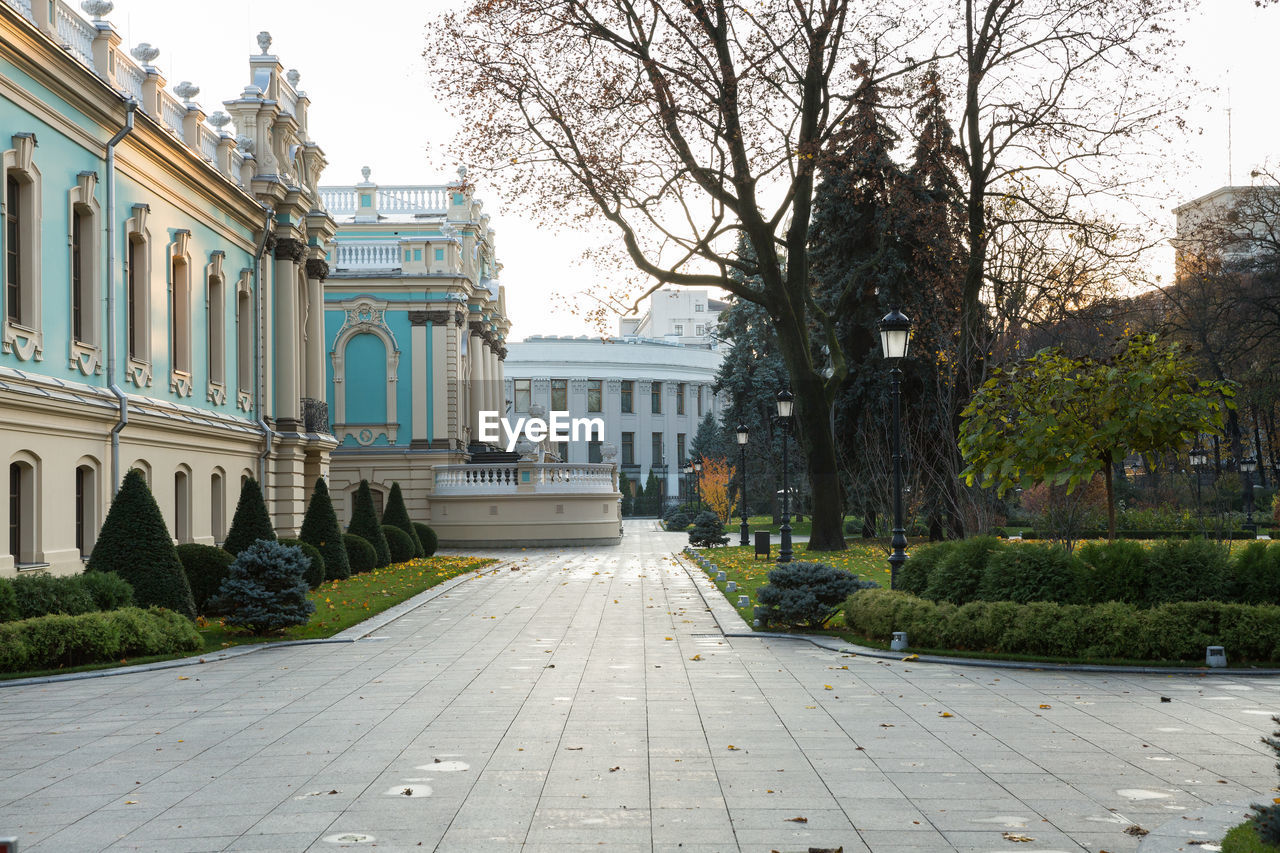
(1244, 839)
(339, 605)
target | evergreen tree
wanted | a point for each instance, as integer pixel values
(251, 521)
(266, 588)
(708, 442)
(321, 530)
(398, 516)
(652, 494)
(135, 544)
(366, 525)
(624, 488)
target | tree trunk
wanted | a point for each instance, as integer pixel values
(1108, 474)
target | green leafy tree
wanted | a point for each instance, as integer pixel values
(366, 525)
(251, 521)
(398, 516)
(1060, 420)
(321, 530)
(135, 544)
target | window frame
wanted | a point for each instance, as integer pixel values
(23, 334)
(560, 388)
(655, 398)
(517, 391)
(628, 396)
(595, 387)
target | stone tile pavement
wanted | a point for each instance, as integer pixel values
(585, 699)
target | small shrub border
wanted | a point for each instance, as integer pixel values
(1177, 631)
(57, 641)
(41, 594)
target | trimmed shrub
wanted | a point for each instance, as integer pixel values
(320, 528)
(398, 543)
(959, 573)
(135, 544)
(806, 595)
(1116, 571)
(251, 521)
(56, 641)
(8, 601)
(109, 592)
(40, 594)
(427, 536)
(1256, 574)
(315, 573)
(360, 553)
(1194, 570)
(206, 569)
(708, 531)
(397, 516)
(1024, 573)
(913, 576)
(365, 524)
(266, 588)
(677, 522)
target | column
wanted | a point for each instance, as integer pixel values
(419, 376)
(317, 272)
(438, 339)
(475, 355)
(286, 349)
(495, 378)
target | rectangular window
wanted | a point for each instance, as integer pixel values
(593, 452)
(80, 509)
(15, 511)
(595, 394)
(244, 342)
(657, 459)
(678, 328)
(77, 280)
(559, 395)
(12, 252)
(406, 254)
(180, 315)
(523, 394)
(135, 299)
(680, 398)
(628, 448)
(700, 330)
(216, 332)
(699, 307)
(562, 450)
(680, 442)
(655, 398)
(628, 390)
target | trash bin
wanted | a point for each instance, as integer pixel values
(762, 543)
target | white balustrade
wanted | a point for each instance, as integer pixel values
(367, 255)
(288, 99)
(337, 200)
(129, 76)
(548, 478)
(391, 199)
(208, 144)
(75, 33)
(173, 112)
(23, 7)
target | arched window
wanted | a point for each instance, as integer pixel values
(23, 522)
(82, 223)
(138, 297)
(244, 344)
(182, 505)
(218, 506)
(180, 315)
(86, 508)
(217, 331)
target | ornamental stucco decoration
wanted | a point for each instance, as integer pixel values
(219, 120)
(366, 315)
(97, 8)
(264, 42)
(293, 77)
(365, 171)
(186, 90)
(145, 53)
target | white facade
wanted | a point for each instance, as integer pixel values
(677, 315)
(590, 377)
(1207, 224)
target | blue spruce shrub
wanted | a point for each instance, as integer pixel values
(708, 531)
(266, 588)
(806, 595)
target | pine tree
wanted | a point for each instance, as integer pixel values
(398, 516)
(366, 525)
(135, 544)
(320, 529)
(652, 494)
(266, 588)
(624, 488)
(708, 443)
(251, 521)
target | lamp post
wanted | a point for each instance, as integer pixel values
(697, 481)
(687, 471)
(895, 338)
(1197, 457)
(1247, 466)
(785, 403)
(743, 435)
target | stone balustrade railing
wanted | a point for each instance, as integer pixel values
(366, 254)
(92, 44)
(390, 199)
(509, 479)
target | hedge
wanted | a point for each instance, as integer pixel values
(206, 568)
(57, 641)
(1168, 632)
(41, 594)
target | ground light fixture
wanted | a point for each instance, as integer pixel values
(1198, 459)
(743, 435)
(895, 340)
(786, 402)
(1248, 465)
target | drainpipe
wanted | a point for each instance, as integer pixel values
(130, 105)
(258, 355)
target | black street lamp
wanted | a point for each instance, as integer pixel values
(1247, 466)
(687, 470)
(697, 481)
(743, 435)
(785, 403)
(895, 338)
(1198, 459)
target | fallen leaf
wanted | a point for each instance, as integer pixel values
(1009, 836)
(573, 748)
(731, 746)
(886, 725)
(912, 657)
(183, 678)
(1046, 707)
(130, 802)
(827, 687)
(696, 657)
(668, 638)
(408, 792)
(614, 769)
(1135, 830)
(946, 714)
(798, 819)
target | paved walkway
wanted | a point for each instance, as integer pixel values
(588, 701)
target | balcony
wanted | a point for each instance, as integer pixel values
(526, 478)
(315, 416)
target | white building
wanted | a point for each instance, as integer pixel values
(1231, 223)
(678, 315)
(651, 395)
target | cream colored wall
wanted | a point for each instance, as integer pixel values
(527, 519)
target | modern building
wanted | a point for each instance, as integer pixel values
(1228, 224)
(678, 315)
(161, 305)
(651, 395)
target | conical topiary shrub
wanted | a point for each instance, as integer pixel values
(365, 524)
(321, 530)
(251, 521)
(397, 516)
(135, 544)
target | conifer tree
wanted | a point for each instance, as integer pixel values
(251, 521)
(398, 516)
(366, 524)
(321, 530)
(135, 544)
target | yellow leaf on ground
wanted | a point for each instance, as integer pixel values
(696, 657)
(946, 714)
(1046, 707)
(827, 687)
(912, 657)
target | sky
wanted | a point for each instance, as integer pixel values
(362, 67)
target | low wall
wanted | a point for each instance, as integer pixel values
(525, 520)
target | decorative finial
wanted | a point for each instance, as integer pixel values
(219, 120)
(97, 8)
(245, 144)
(364, 173)
(462, 173)
(293, 77)
(186, 90)
(264, 41)
(145, 53)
